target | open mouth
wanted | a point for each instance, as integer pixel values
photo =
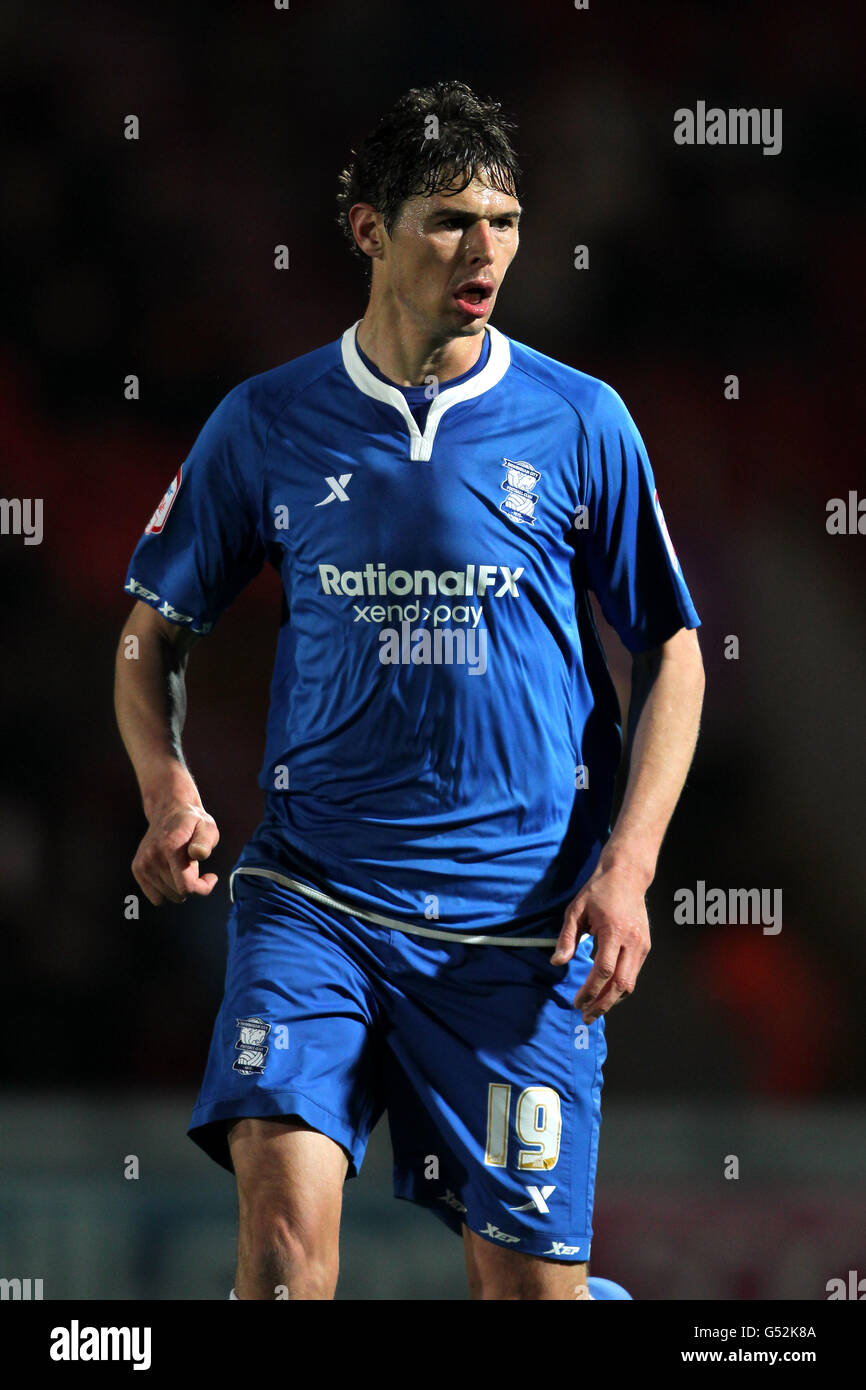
(474, 298)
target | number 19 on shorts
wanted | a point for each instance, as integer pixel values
(537, 1119)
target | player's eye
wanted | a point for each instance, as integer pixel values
(504, 222)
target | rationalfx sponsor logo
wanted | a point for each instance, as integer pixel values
(718, 907)
(76, 1343)
(736, 126)
(376, 581)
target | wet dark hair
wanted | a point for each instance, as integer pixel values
(399, 158)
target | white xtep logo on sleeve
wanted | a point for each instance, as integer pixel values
(539, 1200)
(338, 489)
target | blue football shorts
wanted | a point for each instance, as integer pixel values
(490, 1079)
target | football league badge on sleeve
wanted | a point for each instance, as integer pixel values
(157, 521)
(250, 1046)
(520, 481)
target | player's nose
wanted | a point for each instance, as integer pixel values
(482, 247)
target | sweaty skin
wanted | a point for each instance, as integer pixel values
(413, 327)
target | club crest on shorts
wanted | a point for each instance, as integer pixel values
(158, 520)
(519, 484)
(251, 1047)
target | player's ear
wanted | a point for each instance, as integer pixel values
(366, 226)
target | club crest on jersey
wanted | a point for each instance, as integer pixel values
(251, 1046)
(157, 521)
(520, 481)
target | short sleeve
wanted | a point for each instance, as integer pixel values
(629, 558)
(203, 544)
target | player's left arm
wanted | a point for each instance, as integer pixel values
(667, 690)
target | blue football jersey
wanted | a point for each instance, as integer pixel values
(443, 733)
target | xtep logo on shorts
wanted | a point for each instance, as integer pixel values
(378, 581)
(251, 1047)
(452, 1200)
(520, 481)
(495, 1234)
(539, 1200)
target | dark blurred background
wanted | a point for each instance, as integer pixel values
(156, 257)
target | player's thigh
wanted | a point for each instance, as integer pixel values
(495, 1273)
(290, 1181)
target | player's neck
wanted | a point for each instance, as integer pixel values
(408, 354)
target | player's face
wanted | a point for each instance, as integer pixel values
(441, 242)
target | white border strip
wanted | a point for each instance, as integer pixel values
(421, 445)
(380, 921)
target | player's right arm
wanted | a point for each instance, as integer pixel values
(150, 705)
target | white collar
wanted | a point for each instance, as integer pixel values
(421, 445)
